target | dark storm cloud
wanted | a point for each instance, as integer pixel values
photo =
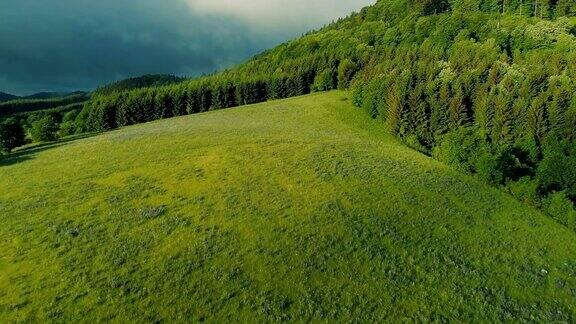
(79, 44)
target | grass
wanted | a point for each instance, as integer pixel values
(301, 209)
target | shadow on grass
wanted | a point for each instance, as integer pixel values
(29, 153)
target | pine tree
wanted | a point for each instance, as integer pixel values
(457, 110)
(501, 130)
(483, 113)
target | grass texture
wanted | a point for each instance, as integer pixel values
(294, 210)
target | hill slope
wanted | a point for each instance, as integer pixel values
(293, 209)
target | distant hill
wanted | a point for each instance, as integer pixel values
(145, 81)
(48, 95)
(25, 104)
(6, 96)
(38, 96)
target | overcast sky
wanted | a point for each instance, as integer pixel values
(62, 45)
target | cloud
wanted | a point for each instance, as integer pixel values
(66, 45)
(280, 14)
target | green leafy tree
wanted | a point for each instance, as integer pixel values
(44, 130)
(557, 171)
(12, 135)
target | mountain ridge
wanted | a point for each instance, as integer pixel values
(6, 96)
(39, 95)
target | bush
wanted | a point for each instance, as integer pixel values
(488, 164)
(465, 150)
(44, 130)
(413, 142)
(500, 164)
(11, 136)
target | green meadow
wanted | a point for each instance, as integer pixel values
(291, 210)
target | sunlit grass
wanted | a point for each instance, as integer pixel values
(299, 209)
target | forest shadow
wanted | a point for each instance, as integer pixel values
(29, 153)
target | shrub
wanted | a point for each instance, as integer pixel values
(465, 150)
(457, 148)
(525, 190)
(413, 142)
(499, 164)
(487, 164)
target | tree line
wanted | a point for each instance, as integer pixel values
(219, 91)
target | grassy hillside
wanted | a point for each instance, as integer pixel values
(294, 209)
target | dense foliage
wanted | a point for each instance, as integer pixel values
(484, 85)
(489, 93)
(64, 118)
